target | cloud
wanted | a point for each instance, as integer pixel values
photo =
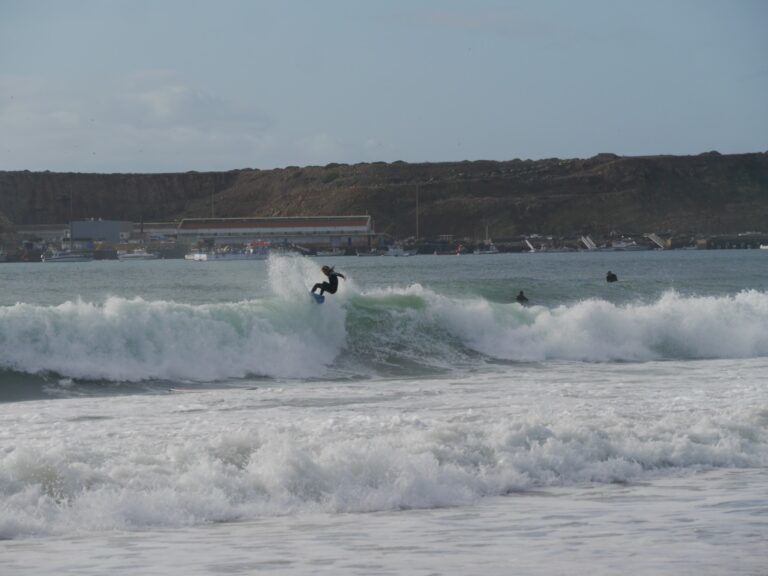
(321, 148)
(153, 120)
(164, 98)
(507, 21)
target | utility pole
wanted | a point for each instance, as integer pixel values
(417, 212)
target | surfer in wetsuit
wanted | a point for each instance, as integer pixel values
(611, 277)
(333, 281)
(521, 299)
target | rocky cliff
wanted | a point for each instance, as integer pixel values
(709, 193)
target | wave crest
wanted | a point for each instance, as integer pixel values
(405, 330)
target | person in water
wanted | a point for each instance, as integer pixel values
(521, 299)
(611, 277)
(333, 281)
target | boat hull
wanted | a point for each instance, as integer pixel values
(214, 257)
(66, 258)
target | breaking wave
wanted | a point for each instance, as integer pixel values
(377, 332)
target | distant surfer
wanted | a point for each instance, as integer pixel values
(333, 281)
(521, 299)
(611, 277)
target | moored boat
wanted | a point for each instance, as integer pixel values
(625, 246)
(138, 254)
(334, 252)
(258, 251)
(397, 250)
(487, 248)
(66, 256)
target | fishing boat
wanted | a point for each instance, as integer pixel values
(625, 245)
(256, 251)
(398, 251)
(66, 256)
(138, 254)
(487, 247)
(334, 252)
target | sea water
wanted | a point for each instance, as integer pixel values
(173, 417)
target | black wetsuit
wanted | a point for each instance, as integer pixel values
(611, 277)
(331, 286)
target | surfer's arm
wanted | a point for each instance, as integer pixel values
(340, 274)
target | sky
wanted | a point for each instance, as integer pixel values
(178, 85)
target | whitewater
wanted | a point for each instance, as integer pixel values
(199, 418)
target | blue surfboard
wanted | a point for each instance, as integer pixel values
(319, 298)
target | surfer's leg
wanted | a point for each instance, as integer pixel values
(316, 286)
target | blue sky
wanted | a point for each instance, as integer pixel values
(177, 85)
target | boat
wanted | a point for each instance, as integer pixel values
(530, 246)
(397, 250)
(138, 254)
(66, 256)
(763, 246)
(625, 246)
(258, 251)
(372, 252)
(334, 252)
(488, 247)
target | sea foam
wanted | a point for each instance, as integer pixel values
(169, 461)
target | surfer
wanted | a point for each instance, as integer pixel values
(521, 299)
(611, 277)
(333, 281)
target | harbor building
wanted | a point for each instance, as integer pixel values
(315, 232)
(97, 230)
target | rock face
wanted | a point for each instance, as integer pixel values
(708, 194)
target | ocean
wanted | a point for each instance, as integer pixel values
(174, 417)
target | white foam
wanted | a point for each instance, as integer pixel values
(595, 330)
(151, 462)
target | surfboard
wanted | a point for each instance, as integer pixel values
(318, 298)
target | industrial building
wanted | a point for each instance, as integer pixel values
(173, 239)
(97, 230)
(310, 231)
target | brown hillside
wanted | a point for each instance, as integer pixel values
(709, 193)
